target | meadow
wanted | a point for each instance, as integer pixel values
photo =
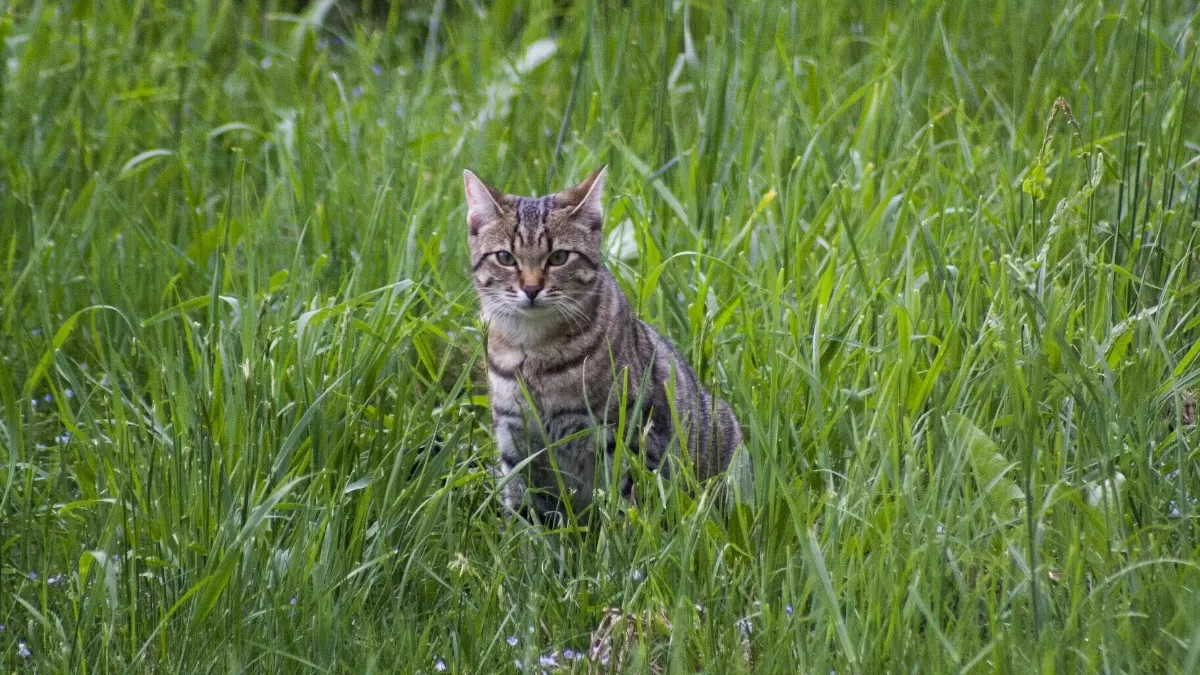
(940, 258)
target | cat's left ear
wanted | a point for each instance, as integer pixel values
(483, 202)
(586, 200)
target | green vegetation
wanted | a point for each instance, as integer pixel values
(242, 421)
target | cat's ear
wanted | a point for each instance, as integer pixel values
(483, 202)
(586, 200)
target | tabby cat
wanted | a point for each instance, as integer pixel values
(565, 351)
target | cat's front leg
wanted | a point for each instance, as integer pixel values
(512, 492)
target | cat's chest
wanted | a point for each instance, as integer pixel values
(518, 377)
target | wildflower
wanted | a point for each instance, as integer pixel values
(376, 68)
(266, 62)
(33, 576)
(1, 628)
(439, 665)
(745, 625)
(637, 575)
(23, 650)
(68, 393)
(47, 398)
(33, 402)
(549, 660)
(292, 602)
(512, 640)
(36, 331)
(63, 440)
(788, 610)
(54, 579)
(356, 92)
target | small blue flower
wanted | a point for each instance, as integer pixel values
(266, 62)
(788, 610)
(569, 654)
(745, 625)
(47, 398)
(1, 628)
(376, 68)
(637, 575)
(36, 331)
(68, 393)
(439, 665)
(33, 576)
(549, 660)
(356, 92)
(23, 650)
(512, 640)
(292, 602)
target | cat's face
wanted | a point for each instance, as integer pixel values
(534, 259)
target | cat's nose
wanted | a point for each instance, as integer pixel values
(531, 291)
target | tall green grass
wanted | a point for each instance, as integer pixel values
(243, 426)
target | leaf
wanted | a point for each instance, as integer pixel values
(358, 484)
(277, 281)
(189, 305)
(60, 338)
(232, 126)
(142, 160)
(1036, 181)
(988, 465)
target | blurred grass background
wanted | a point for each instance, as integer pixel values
(242, 424)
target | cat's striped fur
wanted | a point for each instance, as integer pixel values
(564, 348)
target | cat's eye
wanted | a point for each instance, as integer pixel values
(559, 257)
(505, 258)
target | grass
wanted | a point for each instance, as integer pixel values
(242, 421)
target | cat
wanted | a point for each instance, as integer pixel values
(565, 348)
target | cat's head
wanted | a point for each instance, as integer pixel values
(534, 259)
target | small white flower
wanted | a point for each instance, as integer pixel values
(292, 602)
(439, 666)
(68, 393)
(23, 650)
(637, 575)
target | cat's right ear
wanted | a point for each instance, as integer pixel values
(483, 202)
